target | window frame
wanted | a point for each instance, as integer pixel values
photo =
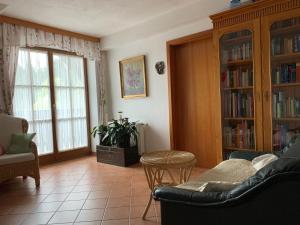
(75, 152)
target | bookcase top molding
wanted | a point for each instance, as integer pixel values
(252, 11)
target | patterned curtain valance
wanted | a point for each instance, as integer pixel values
(15, 35)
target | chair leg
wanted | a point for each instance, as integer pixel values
(37, 182)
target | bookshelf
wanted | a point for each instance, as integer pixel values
(260, 111)
(285, 78)
(237, 88)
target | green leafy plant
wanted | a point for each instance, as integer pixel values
(101, 130)
(120, 131)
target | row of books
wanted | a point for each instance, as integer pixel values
(238, 105)
(282, 136)
(286, 73)
(286, 23)
(237, 52)
(239, 136)
(285, 107)
(237, 78)
(285, 45)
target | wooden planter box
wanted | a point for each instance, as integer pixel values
(117, 156)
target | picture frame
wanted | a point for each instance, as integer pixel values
(133, 77)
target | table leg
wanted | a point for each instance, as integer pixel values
(147, 207)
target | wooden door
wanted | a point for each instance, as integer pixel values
(190, 75)
(239, 81)
(281, 78)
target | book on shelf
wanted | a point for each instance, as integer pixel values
(241, 77)
(239, 136)
(238, 52)
(286, 73)
(238, 105)
(285, 45)
(285, 106)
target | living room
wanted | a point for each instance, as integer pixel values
(149, 112)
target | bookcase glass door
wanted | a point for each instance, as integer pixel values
(237, 89)
(285, 71)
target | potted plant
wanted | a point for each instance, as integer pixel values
(101, 130)
(115, 142)
(120, 132)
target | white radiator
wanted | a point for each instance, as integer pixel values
(141, 127)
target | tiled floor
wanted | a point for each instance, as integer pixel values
(79, 192)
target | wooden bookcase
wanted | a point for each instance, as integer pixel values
(258, 65)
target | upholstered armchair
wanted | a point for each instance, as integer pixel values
(13, 165)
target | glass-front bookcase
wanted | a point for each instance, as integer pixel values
(237, 88)
(285, 79)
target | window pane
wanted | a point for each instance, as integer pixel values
(22, 74)
(61, 77)
(63, 104)
(22, 103)
(76, 71)
(78, 102)
(64, 135)
(39, 68)
(79, 129)
(43, 138)
(41, 104)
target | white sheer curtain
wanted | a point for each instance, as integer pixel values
(70, 98)
(32, 96)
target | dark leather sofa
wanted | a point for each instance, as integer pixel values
(270, 197)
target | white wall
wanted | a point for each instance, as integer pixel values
(154, 109)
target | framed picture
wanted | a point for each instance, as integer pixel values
(133, 77)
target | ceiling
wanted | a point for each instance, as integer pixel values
(93, 17)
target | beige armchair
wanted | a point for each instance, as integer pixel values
(13, 165)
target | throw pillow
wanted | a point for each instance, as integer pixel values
(263, 160)
(2, 150)
(20, 143)
(219, 186)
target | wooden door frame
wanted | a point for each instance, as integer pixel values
(171, 45)
(57, 156)
(266, 23)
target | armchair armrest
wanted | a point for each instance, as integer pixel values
(34, 149)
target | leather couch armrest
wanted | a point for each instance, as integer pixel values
(184, 196)
(247, 155)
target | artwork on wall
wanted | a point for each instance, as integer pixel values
(133, 77)
(160, 67)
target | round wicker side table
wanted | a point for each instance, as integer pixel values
(157, 164)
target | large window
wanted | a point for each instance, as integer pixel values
(53, 100)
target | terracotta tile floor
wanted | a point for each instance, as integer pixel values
(80, 192)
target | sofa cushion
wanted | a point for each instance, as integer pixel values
(16, 158)
(20, 143)
(231, 171)
(263, 160)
